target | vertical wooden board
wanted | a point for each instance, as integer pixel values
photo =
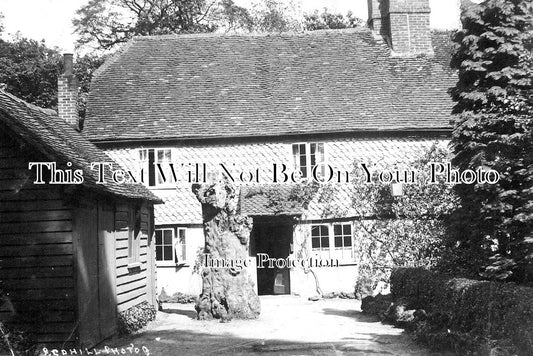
(107, 270)
(150, 265)
(85, 233)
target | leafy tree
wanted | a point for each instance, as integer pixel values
(106, 23)
(29, 70)
(327, 20)
(274, 16)
(494, 124)
(84, 68)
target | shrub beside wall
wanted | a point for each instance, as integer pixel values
(483, 310)
(135, 318)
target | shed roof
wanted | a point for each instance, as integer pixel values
(232, 86)
(43, 130)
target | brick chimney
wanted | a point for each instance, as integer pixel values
(67, 93)
(403, 24)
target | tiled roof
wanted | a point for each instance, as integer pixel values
(60, 143)
(225, 86)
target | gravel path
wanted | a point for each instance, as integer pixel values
(287, 326)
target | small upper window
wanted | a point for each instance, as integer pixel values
(157, 166)
(309, 159)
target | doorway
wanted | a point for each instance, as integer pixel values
(273, 237)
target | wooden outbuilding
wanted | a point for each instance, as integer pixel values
(72, 256)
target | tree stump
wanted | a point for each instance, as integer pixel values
(226, 292)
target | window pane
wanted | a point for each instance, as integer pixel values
(315, 242)
(337, 229)
(295, 150)
(181, 233)
(167, 155)
(167, 237)
(347, 240)
(347, 229)
(338, 241)
(159, 253)
(324, 230)
(167, 253)
(302, 149)
(315, 231)
(325, 241)
(160, 154)
(302, 161)
(158, 237)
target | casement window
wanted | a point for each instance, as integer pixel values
(342, 240)
(170, 246)
(320, 241)
(156, 165)
(134, 236)
(307, 156)
(334, 240)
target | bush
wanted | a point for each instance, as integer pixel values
(17, 341)
(178, 297)
(135, 318)
(469, 311)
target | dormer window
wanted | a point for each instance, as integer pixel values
(309, 157)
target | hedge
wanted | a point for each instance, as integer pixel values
(483, 309)
(135, 318)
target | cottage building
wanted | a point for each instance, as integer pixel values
(254, 103)
(72, 255)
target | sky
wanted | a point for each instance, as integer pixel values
(51, 20)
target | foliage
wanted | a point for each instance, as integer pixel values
(29, 70)
(107, 23)
(135, 318)
(103, 24)
(274, 16)
(281, 200)
(178, 297)
(84, 69)
(467, 314)
(493, 231)
(16, 342)
(406, 230)
(327, 20)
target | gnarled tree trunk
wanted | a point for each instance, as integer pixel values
(227, 292)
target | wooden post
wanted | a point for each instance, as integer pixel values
(227, 292)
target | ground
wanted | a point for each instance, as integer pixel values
(287, 326)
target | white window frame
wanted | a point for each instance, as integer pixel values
(343, 249)
(177, 247)
(331, 252)
(143, 155)
(308, 172)
(170, 262)
(321, 252)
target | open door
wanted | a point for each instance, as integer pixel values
(274, 238)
